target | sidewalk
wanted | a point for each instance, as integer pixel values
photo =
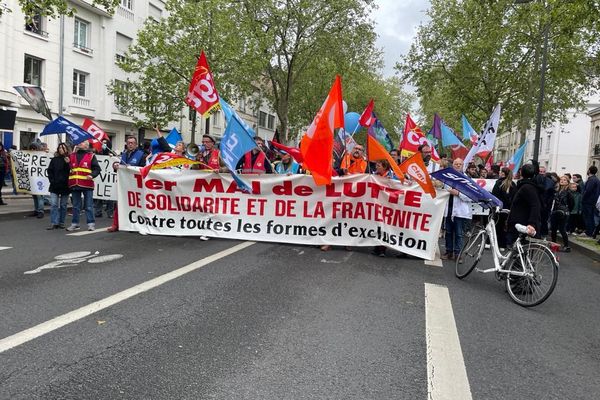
(586, 245)
(17, 205)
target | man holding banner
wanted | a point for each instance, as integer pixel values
(84, 168)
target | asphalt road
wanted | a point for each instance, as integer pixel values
(276, 321)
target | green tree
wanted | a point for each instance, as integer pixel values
(472, 55)
(165, 53)
(55, 8)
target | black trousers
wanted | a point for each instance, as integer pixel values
(558, 222)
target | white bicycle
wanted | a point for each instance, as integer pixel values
(529, 267)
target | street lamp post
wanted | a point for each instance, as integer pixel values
(538, 118)
(540, 105)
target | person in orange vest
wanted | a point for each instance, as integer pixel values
(354, 163)
(255, 161)
(210, 155)
(84, 168)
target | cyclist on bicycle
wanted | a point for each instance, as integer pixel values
(525, 208)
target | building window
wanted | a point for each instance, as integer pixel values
(36, 25)
(122, 44)
(154, 12)
(81, 36)
(80, 81)
(243, 105)
(597, 135)
(128, 4)
(262, 119)
(33, 70)
(216, 117)
(271, 122)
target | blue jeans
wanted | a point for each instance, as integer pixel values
(88, 204)
(454, 234)
(58, 208)
(38, 203)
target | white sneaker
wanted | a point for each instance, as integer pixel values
(91, 227)
(73, 227)
(487, 246)
(202, 237)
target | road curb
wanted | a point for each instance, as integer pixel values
(594, 255)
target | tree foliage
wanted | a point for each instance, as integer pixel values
(55, 8)
(286, 52)
(472, 55)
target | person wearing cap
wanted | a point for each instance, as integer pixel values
(287, 165)
(210, 155)
(355, 162)
(255, 161)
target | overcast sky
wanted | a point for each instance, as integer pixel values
(396, 24)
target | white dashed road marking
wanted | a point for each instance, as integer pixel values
(65, 319)
(5, 248)
(446, 372)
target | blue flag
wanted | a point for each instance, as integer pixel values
(467, 186)
(378, 132)
(448, 136)
(236, 142)
(468, 131)
(229, 112)
(63, 125)
(172, 138)
(515, 161)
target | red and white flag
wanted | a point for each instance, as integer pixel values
(366, 118)
(202, 95)
(94, 130)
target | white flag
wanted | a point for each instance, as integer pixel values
(487, 137)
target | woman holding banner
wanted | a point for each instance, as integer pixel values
(58, 175)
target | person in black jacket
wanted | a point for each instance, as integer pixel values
(563, 202)
(591, 192)
(525, 207)
(504, 189)
(58, 175)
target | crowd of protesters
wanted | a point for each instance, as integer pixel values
(550, 204)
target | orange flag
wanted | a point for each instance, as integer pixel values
(317, 143)
(376, 151)
(415, 168)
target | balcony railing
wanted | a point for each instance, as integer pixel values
(82, 48)
(35, 30)
(125, 13)
(81, 102)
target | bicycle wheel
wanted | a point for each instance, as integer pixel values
(538, 284)
(470, 253)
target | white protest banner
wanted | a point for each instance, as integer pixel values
(355, 210)
(30, 174)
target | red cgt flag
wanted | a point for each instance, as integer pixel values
(317, 143)
(97, 132)
(202, 95)
(412, 138)
(376, 151)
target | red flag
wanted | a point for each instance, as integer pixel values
(317, 143)
(376, 151)
(458, 151)
(292, 151)
(489, 162)
(412, 138)
(366, 118)
(94, 130)
(97, 132)
(202, 94)
(415, 168)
